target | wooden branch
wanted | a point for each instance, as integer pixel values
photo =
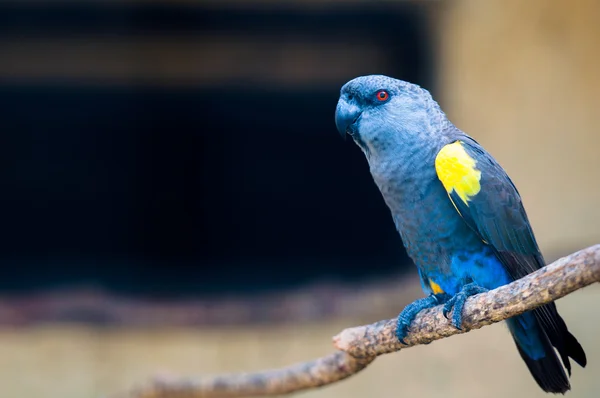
(359, 346)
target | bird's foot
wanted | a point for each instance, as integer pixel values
(409, 312)
(458, 302)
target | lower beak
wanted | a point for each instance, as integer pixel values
(345, 116)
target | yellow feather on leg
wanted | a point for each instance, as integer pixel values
(435, 288)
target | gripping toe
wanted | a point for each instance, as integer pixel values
(409, 313)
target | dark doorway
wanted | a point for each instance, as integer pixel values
(226, 177)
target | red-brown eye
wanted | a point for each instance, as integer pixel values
(382, 95)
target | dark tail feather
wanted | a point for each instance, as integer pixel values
(535, 333)
(559, 335)
(547, 371)
(574, 350)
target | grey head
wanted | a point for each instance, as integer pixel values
(381, 113)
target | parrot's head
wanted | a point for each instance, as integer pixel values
(380, 112)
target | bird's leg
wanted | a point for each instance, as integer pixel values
(458, 302)
(409, 312)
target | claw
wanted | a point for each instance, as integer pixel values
(445, 312)
(449, 305)
(457, 303)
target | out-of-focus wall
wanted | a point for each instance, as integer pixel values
(83, 362)
(523, 78)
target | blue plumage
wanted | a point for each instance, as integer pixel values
(487, 271)
(528, 335)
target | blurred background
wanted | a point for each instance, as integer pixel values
(176, 198)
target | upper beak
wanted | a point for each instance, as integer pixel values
(345, 115)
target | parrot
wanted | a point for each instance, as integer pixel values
(458, 214)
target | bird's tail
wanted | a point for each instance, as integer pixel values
(535, 333)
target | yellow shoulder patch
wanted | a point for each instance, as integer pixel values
(456, 170)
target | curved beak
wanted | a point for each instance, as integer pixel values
(345, 116)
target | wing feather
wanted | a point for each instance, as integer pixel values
(494, 210)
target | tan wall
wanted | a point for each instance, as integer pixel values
(523, 77)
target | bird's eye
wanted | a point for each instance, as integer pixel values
(382, 95)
